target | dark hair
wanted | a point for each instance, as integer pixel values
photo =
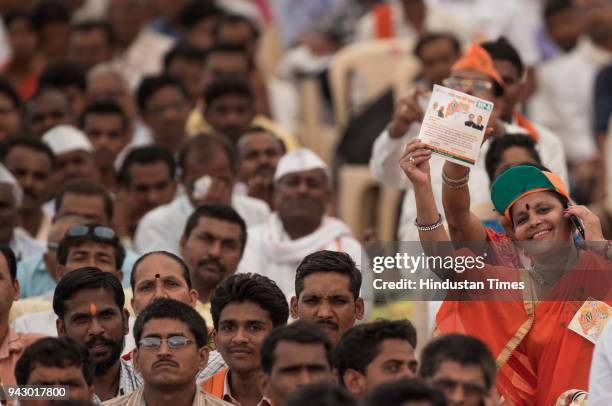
(152, 84)
(250, 287)
(11, 260)
(69, 242)
(33, 143)
(210, 143)
(60, 75)
(197, 10)
(7, 89)
(225, 48)
(499, 145)
(321, 394)
(84, 187)
(16, 15)
(301, 332)
(184, 50)
(328, 261)
(233, 19)
(92, 25)
(58, 352)
(459, 348)
(146, 155)
(553, 7)
(176, 258)
(49, 11)
(504, 51)
(85, 278)
(227, 85)
(361, 344)
(172, 309)
(428, 38)
(405, 390)
(257, 130)
(220, 212)
(104, 107)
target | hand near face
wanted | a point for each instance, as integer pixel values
(220, 191)
(261, 187)
(590, 222)
(407, 112)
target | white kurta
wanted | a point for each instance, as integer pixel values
(600, 379)
(162, 227)
(387, 151)
(272, 253)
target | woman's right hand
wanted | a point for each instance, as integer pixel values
(415, 163)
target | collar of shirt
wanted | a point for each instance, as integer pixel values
(227, 394)
(12, 343)
(129, 380)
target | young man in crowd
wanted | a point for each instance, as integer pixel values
(12, 343)
(208, 169)
(258, 154)
(293, 356)
(91, 43)
(89, 305)
(212, 246)
(245, 308)
(31, 162)
(369, 355)
(57, 361)
(327, 285)
(300, 225)
(171, 350)
(108, 129)
(146, 181)
(46, 109)
(462, 367)
(186, 62)
(164, 106)
(11, 107)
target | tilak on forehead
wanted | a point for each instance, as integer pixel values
(93, 309)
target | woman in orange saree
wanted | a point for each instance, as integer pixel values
(540, 352)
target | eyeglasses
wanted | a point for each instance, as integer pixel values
(102, 232)
(470, 390)
(477, 85)
(174, 342)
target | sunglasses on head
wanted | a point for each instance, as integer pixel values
(102, 232)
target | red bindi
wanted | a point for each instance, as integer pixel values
(526, 206)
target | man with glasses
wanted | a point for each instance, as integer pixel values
(171, 350)
(462, 367)
(83, 245)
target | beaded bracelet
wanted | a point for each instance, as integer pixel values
(429, 227)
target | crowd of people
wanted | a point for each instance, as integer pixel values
(166, 238)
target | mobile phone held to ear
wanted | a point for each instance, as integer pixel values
(576, 221)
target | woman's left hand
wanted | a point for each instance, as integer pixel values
(590, 222)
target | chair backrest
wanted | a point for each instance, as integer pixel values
(360, 72)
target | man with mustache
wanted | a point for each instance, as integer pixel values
(299, 226)
(212, 246)
(245, 309)
(327, 285)
(258, 154)
(171, 350)
(31, 162)
(89, 305)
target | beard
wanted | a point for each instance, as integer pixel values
(116, 348)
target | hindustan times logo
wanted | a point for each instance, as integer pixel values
(411, 263)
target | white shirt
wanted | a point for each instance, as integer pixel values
(387, 151)
(271, 252)
(563, 101)
(600, 379)
(436, 19)
(162, 227)
(25, 246)
(45, 323)
(5, 46)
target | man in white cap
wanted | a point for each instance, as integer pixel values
(74, 154)
(10, 233)
(299, 226)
